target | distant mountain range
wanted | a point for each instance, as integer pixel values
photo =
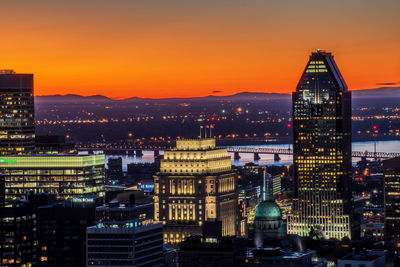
(382, 92)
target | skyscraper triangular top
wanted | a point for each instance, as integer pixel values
(320, 76)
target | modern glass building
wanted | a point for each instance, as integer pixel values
(17, 120)
(322, 151)
(391, 169)
(65, 176)
(196, 183)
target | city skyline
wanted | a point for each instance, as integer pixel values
(181, 133)
(193, 203)
(186, 49)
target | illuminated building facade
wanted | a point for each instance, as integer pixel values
(65, 176)
(17, 122)
(196, 183)
(322, 151)
(391, 187)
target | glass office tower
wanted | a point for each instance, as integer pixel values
(322, 151)
(17, 120)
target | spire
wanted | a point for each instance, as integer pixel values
(266, 193)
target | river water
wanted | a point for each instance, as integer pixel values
(266, 159)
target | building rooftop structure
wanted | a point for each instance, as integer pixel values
(268, 217)
(195, 144)
(278, 257)
(196, 156)
(135, 238)
(372, 258)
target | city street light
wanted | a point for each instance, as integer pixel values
(375, 134)
(289, 126)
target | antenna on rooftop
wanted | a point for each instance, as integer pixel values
(7, 71)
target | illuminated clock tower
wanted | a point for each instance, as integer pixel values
(196, 183)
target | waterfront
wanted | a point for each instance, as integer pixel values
(266, 159)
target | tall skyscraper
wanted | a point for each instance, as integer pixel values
(196, 183)
(17, 120)
(391, 169)
(322, 151)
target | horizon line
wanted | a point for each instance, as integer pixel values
(209, 95)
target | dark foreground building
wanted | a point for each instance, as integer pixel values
(17, 238)
(125, 235)
(18, 232)
(17, 121)
(61, 231)
(322, 151)
(114, 171)
(391, 169)
(37, 231)
(231, 252)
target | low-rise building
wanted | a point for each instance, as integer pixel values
(373, 231)
(367, 258)
(277, 257)
(66, 176)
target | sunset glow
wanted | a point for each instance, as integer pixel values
(191, 48)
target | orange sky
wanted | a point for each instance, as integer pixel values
(182, 48)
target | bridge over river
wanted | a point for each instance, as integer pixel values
(282, 151)
(237, 150)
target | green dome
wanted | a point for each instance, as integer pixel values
(268, 210)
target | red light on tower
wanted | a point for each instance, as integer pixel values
(289, 125)
(212, 118)
(374, 127)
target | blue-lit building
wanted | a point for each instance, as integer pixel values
(125, 235)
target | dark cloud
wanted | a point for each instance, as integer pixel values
(387, 83)
(216, 91)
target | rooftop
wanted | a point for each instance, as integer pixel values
(278, 253)
(196, 144)
(7, 71)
